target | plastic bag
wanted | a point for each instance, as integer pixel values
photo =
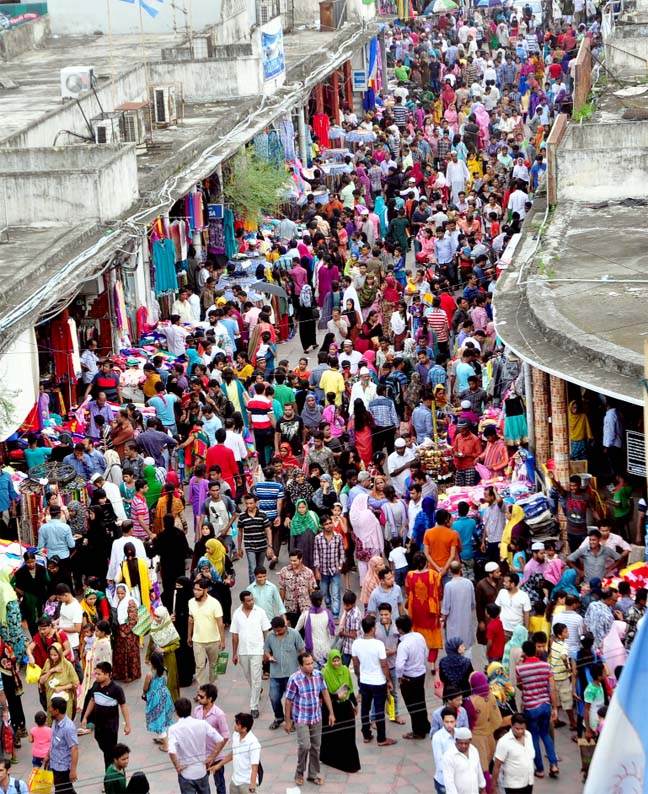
(143, 625)
(33, 674)
(390, 707)
(40, 781)
(220, 668)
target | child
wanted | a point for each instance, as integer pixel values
(87, 641)
(495, 637)
(115, 777)
(398, 561)
(519, 557)
(538, 621)
(350, 621)
(540, 638)
(159, 706)
(268, 351)
(40, 736)
(341, 527)
(594, 697)
(564, 670)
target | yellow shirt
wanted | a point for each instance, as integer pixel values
(205, 614)
(149, 386)
(332, 381)
(245, 373)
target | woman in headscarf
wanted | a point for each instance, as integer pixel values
(325, 497)
(126, 656)
(216, 553)
(361, 427)
(59, 679)
(367, 295)
(169, 503)
(567, 582)
(502, 689)
(513, 652)
(326, 275)
(512, 530)
(455, 669)
(10, 617)
(172, 547)
(367, 533)
(164, 639)
(288, 460)
(484, 718)
(442, 407)
(299, 488)
(200, 546)
(312, 414)
(30, 582)
(371, 581)
(423, 521)
(318, 626)
(184, 654)
(98, 542)
(339, 748)
(580, 432)
(78, 523)
(423, 589)
(13, 688)
(133, 572)
(149, 473)
(303, 528)
(113, 471)
(89, 608)
(380, 209)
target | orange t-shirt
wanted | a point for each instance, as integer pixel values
(439, 542)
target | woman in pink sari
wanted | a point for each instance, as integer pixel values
(483, 120)
(367, 533)
(363, 184)
(450, 115)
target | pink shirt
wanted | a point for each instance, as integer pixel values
(41, 737)
(217, 719)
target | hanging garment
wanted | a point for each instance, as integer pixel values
(164, 264)
(321, 127)
(230, 240)
(287, 135)
(216, 243)
(179, 237)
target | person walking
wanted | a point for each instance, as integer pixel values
(63, 756)
(206, 633)
(328, 561)
(190, 741)
(215, 716)
(106, 699)
(282, 648)
(458, 607)
(249, 628)
(462, 772)
(245, 756)
(370, 666)
(303, 705)
(411, 658)
(254, 526)
(514, 756)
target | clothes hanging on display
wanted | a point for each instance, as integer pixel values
(268, 147)
(287, 136)
(179, 237)
(216, 244)
(164, 262)
(231, 247)
(321, 127)
(63, 343)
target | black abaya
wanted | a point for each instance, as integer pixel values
(307, 327)
(339, 748)
(184, 654)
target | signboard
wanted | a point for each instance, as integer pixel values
(215, 212)
(15, 14)
(273, 50)
(359, 79)
(636, 453)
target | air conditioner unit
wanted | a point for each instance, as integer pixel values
(75, 80)
(106, 128)
(133, 127)
(163, 105)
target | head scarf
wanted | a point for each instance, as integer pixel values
(336, 678)
(288, 461)
(454, 664)
(367, 531)
(7, 594)
(112, 459)
(66, 676)
(154, 485)
(200, 546)
(163, 632)
(520, 635)
(312, 414)
(370, 357)
(380, 208)
(567, 582)
(216, 553)
(308, 627)
(122, 605)
(579, 426)
(376, 563)
(90, 612)
(479, 685)
(183, 596)
(517, 516)
(499, 684)
(440, 396)
(301, 523)
(78, 522)
(204, 561)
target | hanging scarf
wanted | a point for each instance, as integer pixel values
(455, 665)
(337, 677)
(520, 635)
(7, 594)
(312, 413)
(308, 629)
(216, 553)
(142, 570)
(301, 523)
(163, 632)
(579, 426)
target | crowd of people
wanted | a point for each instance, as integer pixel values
(231, 463)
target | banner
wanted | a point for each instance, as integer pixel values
(11, 16)
(273, 52)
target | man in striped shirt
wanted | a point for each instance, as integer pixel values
(262, 422)
(535, 680)
(271, 495)
(438, 321)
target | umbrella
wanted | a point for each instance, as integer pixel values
(489, 3)
(269, 289)
(440, 6)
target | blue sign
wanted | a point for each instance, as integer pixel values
(215, 212)
(150, 10)
(273, 54)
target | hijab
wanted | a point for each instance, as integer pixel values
(112, 459)
(579, 426)
(7, 594)
(455, 665)
(312, 413)
(499, 684)
(440, 396)
(567, 582)
(298, 491)
(204, 561)
(288, 461)
(78, 522)
(517, 516)
(308, 627)
(163, 632)
(90, 612)
(122, 605)
(216, 553)
(154, 485)
(200, 546)
(380, 209)
(183, 596)
(301, 523)
(371, 581)
(518, 638)
(336, 678)
(479, 685)
(67, 675)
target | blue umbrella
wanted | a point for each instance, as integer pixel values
(489, 3)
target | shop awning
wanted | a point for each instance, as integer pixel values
(18, 382)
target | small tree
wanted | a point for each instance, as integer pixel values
(253, 186)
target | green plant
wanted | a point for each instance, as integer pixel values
(253, 186)
(584, 113)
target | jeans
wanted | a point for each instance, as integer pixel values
(62, 783)
(251, 665)
(200, 786)
(277, 690)
(413, 692)
(538, 720)
(219, 781)
(369, 694)
(309, 740)
(394, 680)
(330, 586)
(439, 788)
(254, 559)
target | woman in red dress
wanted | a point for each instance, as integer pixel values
(423, 589)
(361, 426)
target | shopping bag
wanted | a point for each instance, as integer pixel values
(40, 781)
(143, 625)
(390, 707)
(220, 668)
(33, 674)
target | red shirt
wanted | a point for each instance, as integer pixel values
(448, 305)
(220, 455)
(495, 633)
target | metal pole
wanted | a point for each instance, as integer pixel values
(383, 61)
(645, 411)
(528, 395)
(303, 143)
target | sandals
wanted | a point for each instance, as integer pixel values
(299, 781)
(316, 781)
(539, 774)
(554, 772)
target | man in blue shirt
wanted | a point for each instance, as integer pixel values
(63, 756)
(271, 495)
(80, 462)
(56, 535)
(422, 420)
(164, 408)
(99, 407)
(465, 527)
(8, 495)
(97, 459)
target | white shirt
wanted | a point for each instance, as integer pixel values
(235, 442)
(395, 461)
(413, 509)
(90, 360)
(188, 741)
(369, 653)
(517, 200)
(442, 741)
(462, 774)
(117, 553)
(194, 302)
(354, 357)
(246, 753)
(69, 615)
(517, 760)
(175, 336)
(366, 395)
(250, 627)
(513, 608)
(183, 308)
